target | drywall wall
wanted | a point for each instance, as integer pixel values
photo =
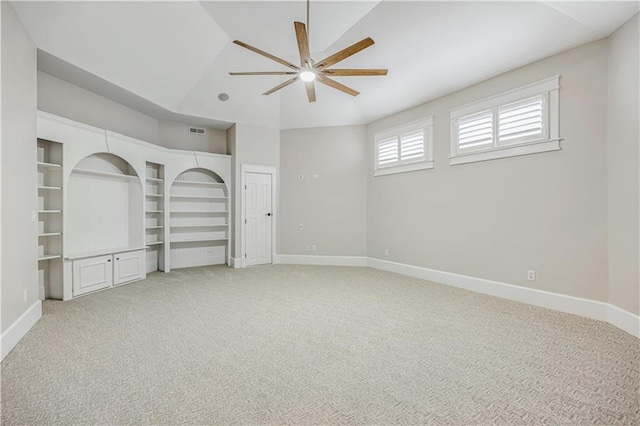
(19, 233)
(623, 162)
(67, 100)
(58, 97)
(497, 219)
(249, 145)
(332, 207)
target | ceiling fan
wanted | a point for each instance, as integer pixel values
(310, 71)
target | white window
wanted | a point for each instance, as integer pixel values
(405, 148)
(518, 122)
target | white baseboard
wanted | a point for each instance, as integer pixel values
(601, 311)
(235, 262)
(294, 259)
(20, 327)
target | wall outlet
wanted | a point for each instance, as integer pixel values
(301, 226)
(386, 252)
(531, 275)
(308, 248)
(26, 295)
(315, 177)
(314, 248)
(300, 177)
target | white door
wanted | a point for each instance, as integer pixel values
(92, 274)
(128, 266)
(258, 218)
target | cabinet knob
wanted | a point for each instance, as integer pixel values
(108, 260)
(117, 258)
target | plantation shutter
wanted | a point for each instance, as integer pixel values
(521, 120)
(387, 151)
(412, 146)
(475, 131)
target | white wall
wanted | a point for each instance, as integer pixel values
(332, 208)
(623, 160)
(67, 100)
(497, 219)
(19, 233)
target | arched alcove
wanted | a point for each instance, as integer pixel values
(199, 228)
(104, 206)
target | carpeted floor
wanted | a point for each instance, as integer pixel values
(315, 345)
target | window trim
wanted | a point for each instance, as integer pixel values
(549, 141)
(426, 124)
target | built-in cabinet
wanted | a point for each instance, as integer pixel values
(127, 208)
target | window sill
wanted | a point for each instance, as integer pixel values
(412, 167)
(507, 151)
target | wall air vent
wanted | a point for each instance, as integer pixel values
(197, 131)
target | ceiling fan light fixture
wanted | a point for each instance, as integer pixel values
(307, 75)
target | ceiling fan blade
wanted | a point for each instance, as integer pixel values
(303, 44)
(345, 53)
(311, 90)
(264, 73)
(265, 54)
(281, 86)
(332, 83)
(354, 72)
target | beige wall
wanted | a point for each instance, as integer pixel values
(497, 219)
(332, 208)
(19, 233)
(67, 100)
(623, 160)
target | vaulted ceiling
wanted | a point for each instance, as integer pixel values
(175, 56)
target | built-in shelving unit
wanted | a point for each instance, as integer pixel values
(154, 216)
(50, 219)
(199, 219)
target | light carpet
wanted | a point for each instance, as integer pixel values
(315, 345)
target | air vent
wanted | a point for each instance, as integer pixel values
(197, 131)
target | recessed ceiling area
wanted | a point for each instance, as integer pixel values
(175, 56)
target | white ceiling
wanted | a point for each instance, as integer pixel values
(177, 55)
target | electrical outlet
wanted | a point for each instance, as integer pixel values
(26, 295)
(301, 226)
(531, 275)
(308, 248)
(314, 248)
(386, 252)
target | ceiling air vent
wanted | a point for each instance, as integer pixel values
(197, 131)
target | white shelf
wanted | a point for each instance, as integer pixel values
(49, 256)
(195, 240)
(50, 187)
(183, 182)
(154, 211)
(155, 195)
(49, 165)
(199, 197)
(106, 174)
(49, 234)
(199, 226)
(154, 243)
(150, 179)
(49, 211)
(198, 212)
(154, 227)
(103, 251)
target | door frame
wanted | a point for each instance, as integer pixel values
(267, 170)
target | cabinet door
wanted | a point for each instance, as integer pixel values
(92, 274)
(129, 266)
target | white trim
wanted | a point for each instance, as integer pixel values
(422, 165)
(20, 327)
(506, 151)
(293, 259)
(601, 311)
(235, 262)
(270, 170)
(624, 320)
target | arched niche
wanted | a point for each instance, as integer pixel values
(105, 205)
(199, 219)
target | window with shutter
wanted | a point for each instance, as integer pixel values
(521, 121)
(405, 148)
